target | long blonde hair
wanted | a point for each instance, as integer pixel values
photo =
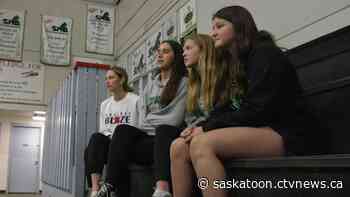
(202, 76)
(213, 79)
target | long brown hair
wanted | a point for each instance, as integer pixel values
(178, 71)
(124, 76)
(245, 36)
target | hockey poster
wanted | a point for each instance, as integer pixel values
(129, 68)
(139, 61)
(100, 29)
(56, 38)
(187, 18)
(152, 45)
(11, 34)
(169, 28)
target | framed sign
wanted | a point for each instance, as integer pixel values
(11, 34)
(139, 61)
(56, 36)
(169, 28)
(129, 67)
(152, 45)
(21, 82)
(188, 18)
(100, 29)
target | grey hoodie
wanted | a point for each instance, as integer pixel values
(152, 114)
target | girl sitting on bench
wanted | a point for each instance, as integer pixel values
(161, 103)
(254, 111)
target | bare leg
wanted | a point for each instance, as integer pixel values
(239, 142)
(181, 168)
(95, 179)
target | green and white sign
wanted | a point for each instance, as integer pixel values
(188, 18)
(56, 38)
(100, 29)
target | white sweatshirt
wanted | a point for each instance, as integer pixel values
(114, 113)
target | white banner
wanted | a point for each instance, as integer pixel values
(56, 35)
(169, 28)
(21, 82)
(122, 62)
(11, 34)
(139, 61)
(187, 18)
(152, 45)
(100, 29)
(129, 68)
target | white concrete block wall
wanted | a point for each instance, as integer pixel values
(76, 9)
(4, 146)
(291, 22)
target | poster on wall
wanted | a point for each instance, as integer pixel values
(187, 15)
(56, 35)
(129, 65)
(11, 34)
(124, 63)
(139, 61)
(152, 45)
(169, 28)
(100, 29)
(21, 82)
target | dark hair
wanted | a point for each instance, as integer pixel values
(124, 75)
(178, 71)
(244, 26)
(246, 37)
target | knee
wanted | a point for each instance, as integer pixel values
(161, 130)
(122, 131)
(97, 137)
(199, 147)
(123, 127)
(179, 150)
(167, 131)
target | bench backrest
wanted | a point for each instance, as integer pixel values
(323, 66)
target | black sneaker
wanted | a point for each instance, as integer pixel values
(106, 190)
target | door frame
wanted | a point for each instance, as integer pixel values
(27, 125)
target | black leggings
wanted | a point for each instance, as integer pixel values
(131, 145)
(95, 155)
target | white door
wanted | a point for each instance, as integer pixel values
(24, 160)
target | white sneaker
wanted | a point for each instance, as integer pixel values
(161, 193)
(93, 193)
(106, 190)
